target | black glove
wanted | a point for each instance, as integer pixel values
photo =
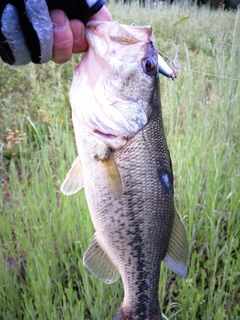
(26, 32)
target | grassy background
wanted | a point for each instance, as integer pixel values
(44, 234)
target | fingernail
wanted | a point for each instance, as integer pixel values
(59, 19)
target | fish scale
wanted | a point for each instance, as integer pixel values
(127, 177)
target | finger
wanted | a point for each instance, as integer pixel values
(102, 14)
(62, 37)
(79, 40)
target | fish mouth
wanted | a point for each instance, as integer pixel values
(121, 33)
(140, 31)
(112, 34)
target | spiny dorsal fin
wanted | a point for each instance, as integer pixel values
(176, 258)
(114, 183)
(99, 263)
(74, 179)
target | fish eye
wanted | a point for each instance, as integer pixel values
(149, 65)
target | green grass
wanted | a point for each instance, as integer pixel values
(44, 234)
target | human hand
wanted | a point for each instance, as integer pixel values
(69, 35)
(28, 33)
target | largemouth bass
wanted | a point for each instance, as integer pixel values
(125, 167)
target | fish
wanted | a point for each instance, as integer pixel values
(124, 166)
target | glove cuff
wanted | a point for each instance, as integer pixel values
(26, 33)
(13, 48)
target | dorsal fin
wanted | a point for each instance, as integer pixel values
(74, 178)
(176, 258)
(97, 261)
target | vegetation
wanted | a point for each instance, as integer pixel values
(44, 234)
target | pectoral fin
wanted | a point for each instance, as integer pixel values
(74, 179)
(114, 183)
(98, 262)
(177, 255)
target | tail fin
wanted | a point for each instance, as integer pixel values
(128, 315)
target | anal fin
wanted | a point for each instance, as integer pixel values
(176, 258)
(98, 262)
(74, 178)
(114, 183)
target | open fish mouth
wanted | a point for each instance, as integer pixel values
(124, 35)
(110, 39)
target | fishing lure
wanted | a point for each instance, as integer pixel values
(164, 68)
